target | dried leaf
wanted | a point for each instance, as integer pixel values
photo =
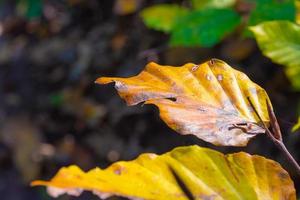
(207, 100)
(205, 173)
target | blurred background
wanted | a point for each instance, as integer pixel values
(51, 51)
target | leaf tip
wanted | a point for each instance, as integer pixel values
(104, 80)
(152, 64)
(39, 183)
(214, 61)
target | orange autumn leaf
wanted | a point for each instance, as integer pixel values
(206, 174)
(209, 100)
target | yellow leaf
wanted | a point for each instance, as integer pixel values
(298, 12)
(205, 173)
(163, 17)
(209, 100)
(296, 127)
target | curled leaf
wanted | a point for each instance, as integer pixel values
(204, 173)
(209, 100)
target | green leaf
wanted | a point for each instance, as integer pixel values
(293, 73)
(204, 28)
(268, 10)
(204, 4)
(280, 41)
(35, 9)
(30, 9)
(205, 173)
(162, 17)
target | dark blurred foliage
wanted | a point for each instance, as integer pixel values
(52, 114)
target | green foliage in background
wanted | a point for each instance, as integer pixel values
(204, 4)
(268, 10)
(196, 27)
(280, 41)
(30, 9)
(200, 27)
(296, 127)
(163, 16)
(209, 21)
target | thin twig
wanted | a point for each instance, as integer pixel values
(275, 136)
(290, 158)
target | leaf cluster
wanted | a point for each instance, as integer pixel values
(273, 23)
(205, 23)
(212, 101)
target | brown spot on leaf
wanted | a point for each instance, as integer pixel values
(118, 169)
(283, 175)
(195, 67)
(211, 62)
(201, 109)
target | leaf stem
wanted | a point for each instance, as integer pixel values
(279, 143)
(289, 157)
(275, 136)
